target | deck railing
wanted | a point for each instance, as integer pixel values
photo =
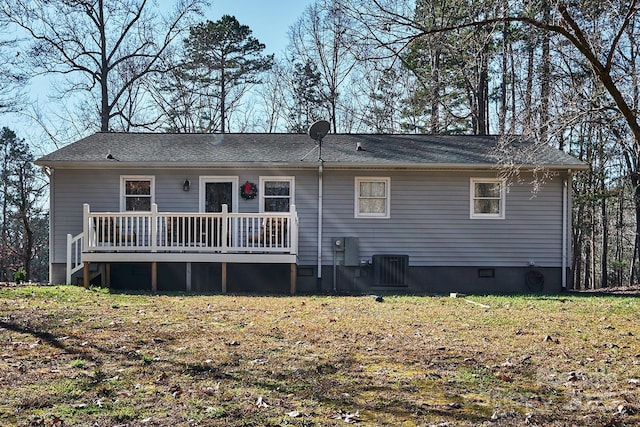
(74, 254)
(222, 232)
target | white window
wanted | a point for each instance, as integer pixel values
(137, 193)
(487, 198)
(372, 197)
(276, 193)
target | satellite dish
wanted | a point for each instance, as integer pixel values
(319, 130)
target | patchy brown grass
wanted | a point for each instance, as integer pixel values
(88, 357)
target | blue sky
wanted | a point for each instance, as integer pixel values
(269, 20)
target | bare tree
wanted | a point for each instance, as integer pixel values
(273, 98)
(103, 48)
(386, 93)
(320, 37)
(11, 76)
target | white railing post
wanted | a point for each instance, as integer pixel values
(154, 228)
(86, 229)
(293, 230)
(69, 266)
(224, 244)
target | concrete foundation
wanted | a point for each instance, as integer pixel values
(275, 279)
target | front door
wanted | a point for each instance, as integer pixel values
(217, 194)
(216, 191)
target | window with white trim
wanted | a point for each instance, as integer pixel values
(487, 198)
(137, 193)
(276, 193)
(372, 197)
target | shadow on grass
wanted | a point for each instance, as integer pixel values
(44, 336)
(87, 352)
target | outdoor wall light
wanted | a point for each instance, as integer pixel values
(186, 185)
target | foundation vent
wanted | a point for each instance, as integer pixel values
(390, 270)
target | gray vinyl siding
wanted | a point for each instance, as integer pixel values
(101, 190)
(429, 214)
(430, 221)
(72, 189)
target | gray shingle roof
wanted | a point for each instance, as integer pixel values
(298, 149)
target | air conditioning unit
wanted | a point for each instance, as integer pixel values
(390, 270)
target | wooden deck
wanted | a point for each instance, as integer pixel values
(152, 237)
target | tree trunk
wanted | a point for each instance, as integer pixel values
(619, 250)
(502, 113)
(576, 263)
(635, 181)
(482, 93)
(434, 125)
(545, 78)
(105, 110)
(528, 94)
(223, 98)
(604, 259)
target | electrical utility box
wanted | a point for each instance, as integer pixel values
(351, 252)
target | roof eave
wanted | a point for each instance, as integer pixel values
(55, 164)
(452, 166)
(293, 165)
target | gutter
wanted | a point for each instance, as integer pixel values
(88, 164)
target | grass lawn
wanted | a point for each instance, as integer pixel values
(76, 357)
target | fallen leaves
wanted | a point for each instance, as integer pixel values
(260, 403)
(349, 417)
(176, 391)
(505, 377)
(575, 376)
(211, 390)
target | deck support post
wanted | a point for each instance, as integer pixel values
(107, 275)
(154, 276)
(188, 278)
(293, 278)
(85, 275)
(224, 277)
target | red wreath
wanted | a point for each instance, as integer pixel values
(248, 190)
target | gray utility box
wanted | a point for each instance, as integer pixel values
(351, 249)
(351, 252)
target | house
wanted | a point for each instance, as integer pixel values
(284, 213)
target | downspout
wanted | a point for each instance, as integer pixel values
(565, 228)
(319, 280)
